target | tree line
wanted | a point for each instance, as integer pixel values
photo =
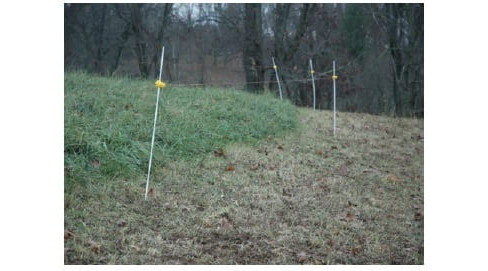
(378, 48)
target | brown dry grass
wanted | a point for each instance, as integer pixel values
(308, 198)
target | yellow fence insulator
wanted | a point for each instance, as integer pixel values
(160, 84)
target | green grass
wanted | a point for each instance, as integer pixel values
(109, 121)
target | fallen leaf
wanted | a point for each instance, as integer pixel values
(230, 168)
(226, 215)
(254, 167)
(313, 244)
(324, 187)
(95, 248)
(219, 153)
(121, 223)
(302, 257)
(360, 218)
(331, 243)
(351, 204)
(393, 178)
(68, 234)
(136, 248)
(66, 171)
(319, 152)
(343, 170)
(185, 209)
(286, 193)
(349, 217)
(95, 163)
(224, 223)
(419, 216)
(355, 250)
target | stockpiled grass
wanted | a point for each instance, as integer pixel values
(109, 121)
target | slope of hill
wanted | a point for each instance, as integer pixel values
(277, 189)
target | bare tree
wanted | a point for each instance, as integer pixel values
(147, 24)
(404, 26)
(287, 42)
(253, 53)
(378, 48)
(160, 35)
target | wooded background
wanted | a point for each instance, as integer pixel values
(378, 49)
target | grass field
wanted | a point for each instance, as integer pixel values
(237, 179)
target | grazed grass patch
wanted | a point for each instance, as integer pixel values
(303, 198)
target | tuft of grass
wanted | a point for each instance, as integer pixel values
(109, 121)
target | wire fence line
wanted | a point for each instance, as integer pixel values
(246, 83)
(284, 72)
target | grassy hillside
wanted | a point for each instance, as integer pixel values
(274, 194)
(109, 121)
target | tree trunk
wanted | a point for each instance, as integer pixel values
(253, 55)
(395, 42)
(140, 46)
(281, 19)
(160, 38)
(121, 44)
(285, 49)
(99, 41)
